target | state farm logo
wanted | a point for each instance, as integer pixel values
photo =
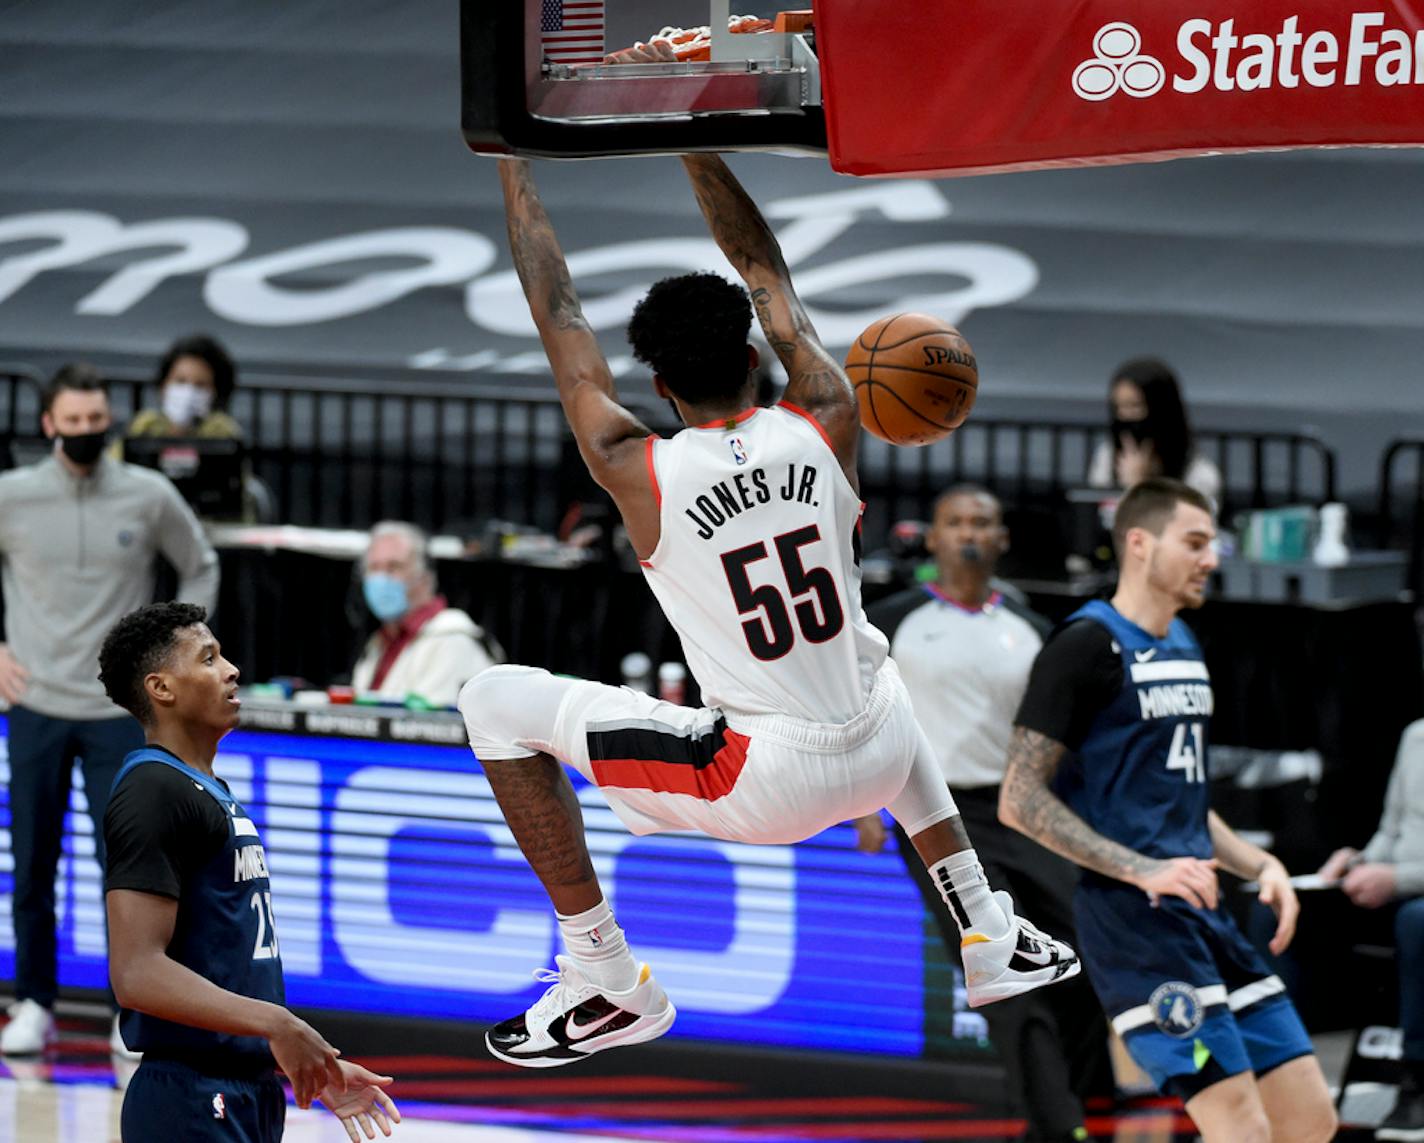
(1226, 57)
(1118, 65)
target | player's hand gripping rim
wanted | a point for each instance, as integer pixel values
(1191, 878)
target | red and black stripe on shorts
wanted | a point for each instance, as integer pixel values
(646, 755)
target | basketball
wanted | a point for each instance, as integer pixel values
(915, 378)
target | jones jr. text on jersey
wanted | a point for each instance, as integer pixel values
(747, 490)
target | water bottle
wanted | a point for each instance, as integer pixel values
(637, 671)
(672, 683)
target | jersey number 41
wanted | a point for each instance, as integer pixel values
(1188, 756)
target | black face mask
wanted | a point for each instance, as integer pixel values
(83, 448)
(971, 554)
(1138, 430)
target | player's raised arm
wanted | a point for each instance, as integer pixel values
(1028, 804)
(816, 381)
(603, 428)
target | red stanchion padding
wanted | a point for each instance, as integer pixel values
(970, 86)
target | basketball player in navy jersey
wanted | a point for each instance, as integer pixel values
(193, 952)
(1108, 766)
(745, 523)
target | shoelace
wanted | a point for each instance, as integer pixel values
(1036, 935)
(553, 1002)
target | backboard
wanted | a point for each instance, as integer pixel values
(533, 84)
(894, 88)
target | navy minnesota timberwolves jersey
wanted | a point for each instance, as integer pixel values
(1140, 775)
(224, 932)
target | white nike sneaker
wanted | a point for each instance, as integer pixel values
(30, 1030)
(1020, 961)
(576, 1018)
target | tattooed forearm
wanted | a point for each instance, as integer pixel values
(778, 339)
(1027, 803)
(735, 221)
(538, 259)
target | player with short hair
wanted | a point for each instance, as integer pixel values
(746, 526)
(193, 952)
(1108, 766)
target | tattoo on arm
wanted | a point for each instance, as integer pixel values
(784, 347)
(735, 221)
(1042, 815)
(538, 258)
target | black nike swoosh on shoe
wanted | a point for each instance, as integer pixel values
(1045, 958)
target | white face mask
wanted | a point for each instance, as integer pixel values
(184, 403)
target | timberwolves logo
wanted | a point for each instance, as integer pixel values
(1176, 1009)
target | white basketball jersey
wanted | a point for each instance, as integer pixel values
(756, 566)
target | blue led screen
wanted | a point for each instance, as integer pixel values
(397, 889)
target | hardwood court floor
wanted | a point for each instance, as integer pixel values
(451, 1092)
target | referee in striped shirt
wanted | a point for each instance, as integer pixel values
(965, 649)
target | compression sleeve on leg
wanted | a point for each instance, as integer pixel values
(925, 799)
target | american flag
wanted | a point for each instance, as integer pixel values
(571, 30)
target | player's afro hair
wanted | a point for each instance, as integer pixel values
(139, 644)
(692, 332)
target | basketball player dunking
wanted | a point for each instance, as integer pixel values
(745, 523)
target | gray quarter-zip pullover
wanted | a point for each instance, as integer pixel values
(78, 554)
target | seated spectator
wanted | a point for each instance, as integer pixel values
(196, 379)
(1151, 434)
(1389, 874)
(423, 647)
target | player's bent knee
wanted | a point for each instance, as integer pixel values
(487, 702)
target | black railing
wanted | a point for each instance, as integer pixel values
(345, 453)
(1401, 504)
(1039, 461)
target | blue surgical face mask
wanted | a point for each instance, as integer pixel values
(385, 596)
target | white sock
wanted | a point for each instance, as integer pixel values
(971, 903)
(599, 948)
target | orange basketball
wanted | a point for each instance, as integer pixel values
(915, 378)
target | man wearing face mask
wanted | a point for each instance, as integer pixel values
(79, 532)
(423, 647)
(964, 649)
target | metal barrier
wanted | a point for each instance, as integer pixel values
(346, 453)
(339, 452)
(1403, 529)
(1026, 461)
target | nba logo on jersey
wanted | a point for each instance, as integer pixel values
(739, 450)
(1176, 1009)
(219, 1106)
